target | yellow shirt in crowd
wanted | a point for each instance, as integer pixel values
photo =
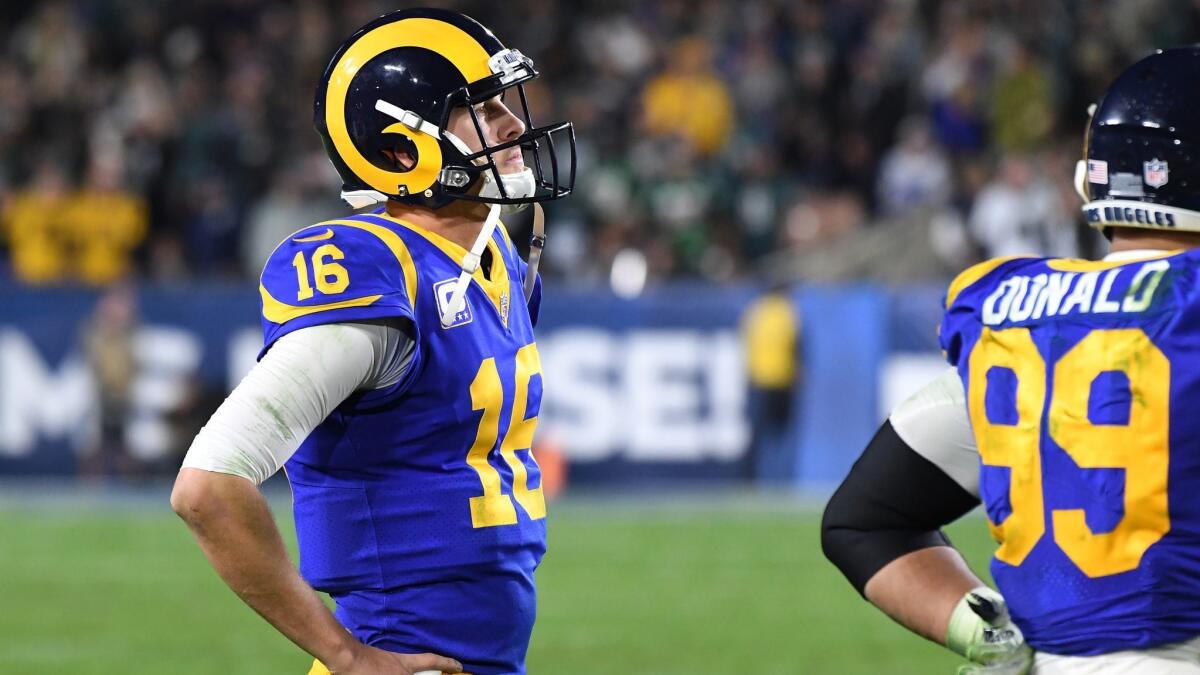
(88, 236)
(698, 107)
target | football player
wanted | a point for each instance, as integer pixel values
(399, 382)
(1072, 413)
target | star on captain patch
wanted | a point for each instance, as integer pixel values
(504, 308)
(1154, 173)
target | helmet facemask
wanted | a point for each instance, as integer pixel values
(475, 175)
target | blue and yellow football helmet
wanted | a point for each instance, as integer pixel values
(393, 84)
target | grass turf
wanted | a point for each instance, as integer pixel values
(699, 588)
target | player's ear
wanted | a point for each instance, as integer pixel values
(403, 159)
(403, 154)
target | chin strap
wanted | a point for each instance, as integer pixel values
(517, 185)
(470, 264)
(537, 242)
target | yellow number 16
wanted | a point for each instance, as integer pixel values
(1140, 447)
(331, 277)
(487, 394)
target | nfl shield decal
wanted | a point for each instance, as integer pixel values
(1154, 173)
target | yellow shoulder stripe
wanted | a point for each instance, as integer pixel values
(276, 311)
(496, 288)
(973, 274)
(281, 312)
(1078, 265)
(327, 234)
(398, 248)
(452, 250)
(504, 234)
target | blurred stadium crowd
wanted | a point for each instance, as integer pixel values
(719, 140)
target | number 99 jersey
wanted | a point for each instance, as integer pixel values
(1082, 382)
(418, 507)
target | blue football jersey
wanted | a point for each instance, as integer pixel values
(1083, 389)
(419, 507)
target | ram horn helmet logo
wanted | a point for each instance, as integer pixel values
(1154, 173)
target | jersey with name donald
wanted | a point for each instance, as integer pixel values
(1083, 389)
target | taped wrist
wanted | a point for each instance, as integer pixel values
(970, 618)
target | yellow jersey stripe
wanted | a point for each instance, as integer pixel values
(973, 274)
(319, 668)
(327, 234)
(1078, 265)
(281, 312)
(398, 248)
(496, 287)
(277, 311)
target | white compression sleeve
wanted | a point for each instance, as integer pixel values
(934, 423)
(301, 379)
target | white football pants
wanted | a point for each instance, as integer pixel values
(1181, 658)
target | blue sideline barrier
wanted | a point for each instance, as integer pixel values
(638, 391)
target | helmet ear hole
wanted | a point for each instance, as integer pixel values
(403, 155)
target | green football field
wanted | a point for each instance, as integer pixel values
(694, 585)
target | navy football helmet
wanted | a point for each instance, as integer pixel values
(392, 86)
(1140, 167)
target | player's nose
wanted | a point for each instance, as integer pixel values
(508, 125)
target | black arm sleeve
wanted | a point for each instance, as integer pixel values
(893, 502)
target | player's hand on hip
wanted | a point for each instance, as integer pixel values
(981, 630)
(372, 661)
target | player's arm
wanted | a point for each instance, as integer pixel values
(882, 528)
(296, 385)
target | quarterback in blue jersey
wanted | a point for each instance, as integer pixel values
(1072, 413)
(399, 382)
